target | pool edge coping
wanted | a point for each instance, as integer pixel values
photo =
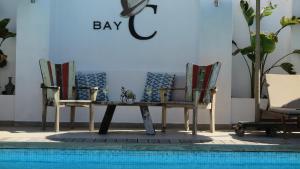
(151, 147)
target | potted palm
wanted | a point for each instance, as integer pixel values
(4, 34)
(268, 44)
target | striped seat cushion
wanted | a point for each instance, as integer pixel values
(202, 78)
(91, 79)
(156, 81)
(61, 75)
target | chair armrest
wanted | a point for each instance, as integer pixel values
(43, 86)
(56, 93)
(214, 90)
(88, 88)
(93, 91)
(172, 88)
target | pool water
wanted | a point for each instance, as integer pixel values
(123, 159)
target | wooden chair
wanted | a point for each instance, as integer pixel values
(59, 91)
(200, 92)
(284, 98)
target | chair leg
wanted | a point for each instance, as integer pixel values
(186, 119)
(195, 120)
(213, 113)
(212, 119)
(91, 125)
(44, 117)
(164, 119)
(57, 114)
(72, 116)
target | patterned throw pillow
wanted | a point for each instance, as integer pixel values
(156, 81)
(95, 79)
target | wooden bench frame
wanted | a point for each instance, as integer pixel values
(110, 109)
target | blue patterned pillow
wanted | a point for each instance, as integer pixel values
(95, 79)
(156, 81)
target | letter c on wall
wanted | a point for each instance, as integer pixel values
(132, 29)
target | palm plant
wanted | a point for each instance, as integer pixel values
(268, 44)
(4, 34)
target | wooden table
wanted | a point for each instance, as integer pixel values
(111, 107)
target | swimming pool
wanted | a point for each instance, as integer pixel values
(130, 159)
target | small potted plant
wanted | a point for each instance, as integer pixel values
(127, 96)
(4, 34)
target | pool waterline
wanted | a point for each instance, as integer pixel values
(113, 159)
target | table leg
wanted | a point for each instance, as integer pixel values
(147, 120)
(107, 119)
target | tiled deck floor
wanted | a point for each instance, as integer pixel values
(34, 134)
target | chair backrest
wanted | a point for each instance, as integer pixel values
(202, 78)
(62, 75)
(283, 90)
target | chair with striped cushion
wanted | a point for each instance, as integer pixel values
(59, 91)
(200, 92)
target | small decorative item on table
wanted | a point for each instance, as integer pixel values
(9, 88)
(127, 96)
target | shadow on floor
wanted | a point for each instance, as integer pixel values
(130, 136)
(261, 138)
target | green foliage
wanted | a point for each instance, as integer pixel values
(286, 21)
(4, 34)
(268, 43)
(296, 52)
(288, 67)
(268, 10)
(248, 12)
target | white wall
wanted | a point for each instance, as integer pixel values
(7, 108)
(8, 9)
(187, 32)
(196, 31)
(32, 44)
(215, 38)
(240, 76)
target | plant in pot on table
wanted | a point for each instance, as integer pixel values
(5, 34)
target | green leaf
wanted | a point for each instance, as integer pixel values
(236, 52)
(4, 23)
(297, 51)
(288, 67)
(248, 12)
(251, 57)
(286, 21)
(268, 42)
(4, 32)
(268, 10)
(233, 42)
(247, 50)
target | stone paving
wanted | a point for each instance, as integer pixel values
(136, 136)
